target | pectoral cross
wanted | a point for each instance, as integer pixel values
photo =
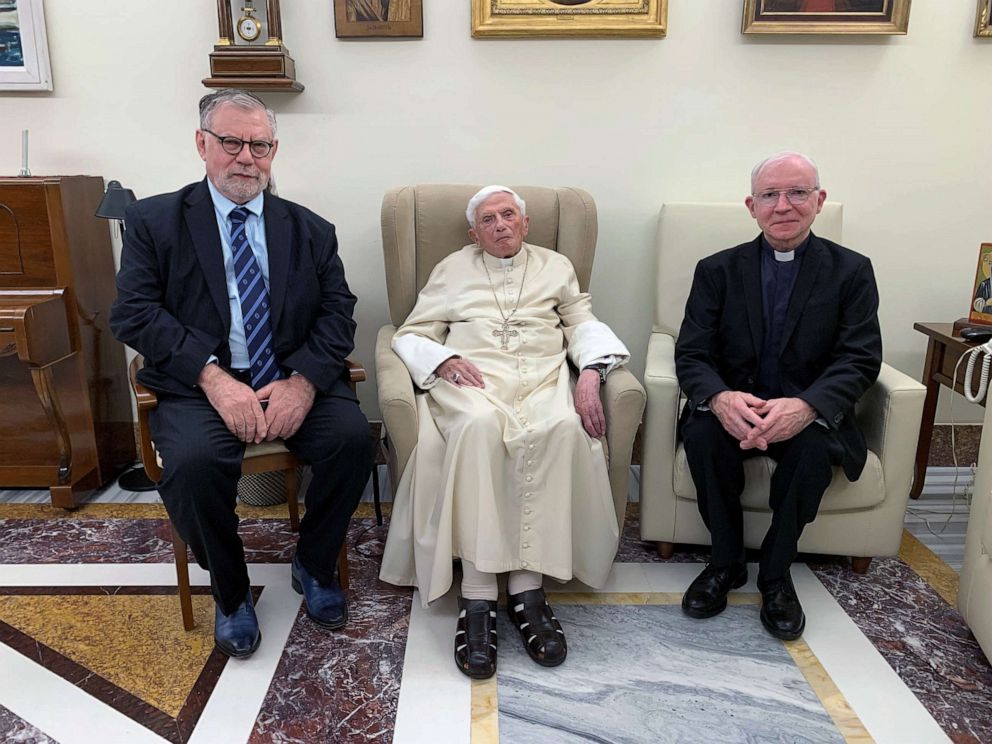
(505, 334)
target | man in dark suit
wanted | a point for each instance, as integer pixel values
(780, 339)
(238, 302)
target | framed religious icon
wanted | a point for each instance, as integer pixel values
(826, 16)
(981, 293)
(250, 52)
(369, 19)
(569, 18)
(24, 63)
(983, 18)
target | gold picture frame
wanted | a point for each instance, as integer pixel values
(826, 17)
(569, 18)
(983, 18)
(981, 292)
(371, 19)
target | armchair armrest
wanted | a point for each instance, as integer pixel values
(658, 461)
(889, 415)
(623, 403)
(396, 400)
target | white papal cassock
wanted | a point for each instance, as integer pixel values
(505, 476)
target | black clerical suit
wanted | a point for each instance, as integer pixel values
(172, 306)
(829, 353)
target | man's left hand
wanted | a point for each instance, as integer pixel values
(588, 405)
(290, 400)
(783, 418)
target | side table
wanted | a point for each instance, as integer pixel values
(944, 349)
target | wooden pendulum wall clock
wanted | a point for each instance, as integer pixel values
(250, 53)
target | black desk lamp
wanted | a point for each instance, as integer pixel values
(112, 206)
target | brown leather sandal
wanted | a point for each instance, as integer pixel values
(539, 629)
(475, 638)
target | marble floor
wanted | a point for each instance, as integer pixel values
(92, 650)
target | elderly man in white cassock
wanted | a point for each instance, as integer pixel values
(509, 473)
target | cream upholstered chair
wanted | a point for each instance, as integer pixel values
(975, 589)
(423, 224)
(861, 519)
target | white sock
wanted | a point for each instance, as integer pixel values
(478, 585)
(523, 581)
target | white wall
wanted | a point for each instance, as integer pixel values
(899, 126)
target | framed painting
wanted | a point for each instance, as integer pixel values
(983, 18)
(24, 63)
(370, 19)
(981, 292)
(826, 16)
(569, 18)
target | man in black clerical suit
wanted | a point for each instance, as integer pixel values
(779, 341)
(238, 302)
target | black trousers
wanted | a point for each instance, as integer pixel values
(202, 464)
(803, 472)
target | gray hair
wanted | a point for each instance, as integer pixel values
(778, 158)
(243, 99)
(482, 194)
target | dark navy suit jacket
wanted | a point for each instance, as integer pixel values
(831, 343)
(172, 305)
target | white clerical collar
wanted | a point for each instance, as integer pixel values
(497, 262)
(785, 255)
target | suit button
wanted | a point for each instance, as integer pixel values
(750, 380)
(838, 418)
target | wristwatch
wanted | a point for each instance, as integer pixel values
(600, 368)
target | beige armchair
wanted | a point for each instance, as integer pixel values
(975, 589)
(423, 224)
(861, 519)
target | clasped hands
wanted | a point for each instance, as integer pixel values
(757, 423)
(462, 372)
(288, 402)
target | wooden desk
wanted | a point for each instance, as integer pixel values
(943, 351)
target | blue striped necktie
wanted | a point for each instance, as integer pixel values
(255, 308)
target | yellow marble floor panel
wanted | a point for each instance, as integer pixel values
(930, 568)
(832, 699)
(135, 641)
(485, 712)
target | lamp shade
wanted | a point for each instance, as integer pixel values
(115, 201)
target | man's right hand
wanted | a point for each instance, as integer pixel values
(460, 372)
(236, 403)
(735, 411)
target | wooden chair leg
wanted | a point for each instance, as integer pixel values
(293, 497)
(343, 566)
(665, 549)
(860, 565)
(375, 495)
(182, 579)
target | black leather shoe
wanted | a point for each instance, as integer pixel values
(707, 594)
(781, 613)
(539, 629)
(326, 603)
(237, 634)
(475, 638)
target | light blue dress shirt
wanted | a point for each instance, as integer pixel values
(255, 232)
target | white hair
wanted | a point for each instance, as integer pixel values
(778, 158)
(484, 193)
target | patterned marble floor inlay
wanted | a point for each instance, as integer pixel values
(650, 674)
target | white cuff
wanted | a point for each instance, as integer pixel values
(421, 357)
(594, 343)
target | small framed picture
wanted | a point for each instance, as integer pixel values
(826, 16)
(24, 63)
(370, 19)
(981, 293)
(983, 18)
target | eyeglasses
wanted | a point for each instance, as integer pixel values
(234, 145)
(794, 196)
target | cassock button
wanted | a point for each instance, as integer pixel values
(526, 545)
(524, 564)
(526, 528)
(530, 446)
(530, 462)
(528, 494)
(530, 478)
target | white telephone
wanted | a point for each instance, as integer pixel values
(985, 351)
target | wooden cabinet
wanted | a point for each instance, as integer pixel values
(65, 411)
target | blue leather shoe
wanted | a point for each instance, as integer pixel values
(326, 603)
(237, 634)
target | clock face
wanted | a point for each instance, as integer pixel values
(249, 28)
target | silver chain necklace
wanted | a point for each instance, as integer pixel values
(504, 333)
